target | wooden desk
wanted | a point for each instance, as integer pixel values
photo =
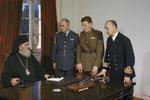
(43, 91)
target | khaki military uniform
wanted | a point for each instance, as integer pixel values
(90, 50)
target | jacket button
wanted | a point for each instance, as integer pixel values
(116, 68)
(114, 56)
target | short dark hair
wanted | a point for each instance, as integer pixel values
(86, 18)
(66, 20)
(113, 22)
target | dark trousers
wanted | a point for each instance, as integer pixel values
(129, 96)
(62, 73)
(115, 82)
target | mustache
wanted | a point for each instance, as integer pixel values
(31, 50)
(26, 53)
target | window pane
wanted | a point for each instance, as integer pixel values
(35, 40)
(37, 33)
(31, 22)
(25, 26)
(37, 27)
(36, 8)
(39, 42)
(26, 1)
(25, 10)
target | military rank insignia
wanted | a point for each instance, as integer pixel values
(105, 64)
(128, 70)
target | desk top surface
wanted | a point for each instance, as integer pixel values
(42, 90)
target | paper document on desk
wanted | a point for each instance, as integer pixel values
(55, 79)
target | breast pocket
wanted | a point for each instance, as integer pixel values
(71, 42)
(93, 42)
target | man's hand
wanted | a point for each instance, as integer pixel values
(103, 72)
(15, 81)
(54, 66)
(94, 71)
(127, 80)
(46, 76)
(79, 67)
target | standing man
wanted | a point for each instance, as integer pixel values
(90, 49)
(64, 49)
(119, 57)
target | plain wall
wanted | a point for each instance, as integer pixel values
(133, 18)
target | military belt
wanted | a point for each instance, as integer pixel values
(90, 51)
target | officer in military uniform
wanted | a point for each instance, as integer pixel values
(119, 57)
(64, 49)
(90, 49)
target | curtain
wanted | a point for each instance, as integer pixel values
(10, 17)
(49, 27)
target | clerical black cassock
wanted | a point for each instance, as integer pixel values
(119, 58)
(14, 69)
(14, 66)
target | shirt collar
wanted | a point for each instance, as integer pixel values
(67, 32)
(114, 37)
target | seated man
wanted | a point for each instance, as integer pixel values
(21, 65)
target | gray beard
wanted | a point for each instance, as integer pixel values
(26, 53)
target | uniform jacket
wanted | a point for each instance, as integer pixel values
(90, 49)
(119, 57)
(64, 50)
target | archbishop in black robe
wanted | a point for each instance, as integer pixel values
(15, 66)
(14, 69)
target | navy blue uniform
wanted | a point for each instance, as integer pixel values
(119, 58)
(64, 50)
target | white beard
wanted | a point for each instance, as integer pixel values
(26, 53)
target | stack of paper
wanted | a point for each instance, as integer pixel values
(55, 79)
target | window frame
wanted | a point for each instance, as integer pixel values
(32, 24)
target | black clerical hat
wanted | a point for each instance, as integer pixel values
(17, 42)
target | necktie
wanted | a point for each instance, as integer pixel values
(65, 34)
